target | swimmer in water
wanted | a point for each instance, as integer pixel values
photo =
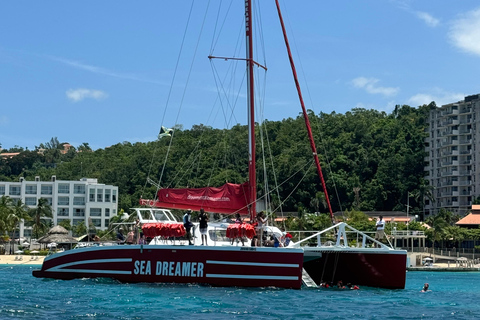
(425, 287)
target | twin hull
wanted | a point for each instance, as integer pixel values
(381, 268)
(217, 266)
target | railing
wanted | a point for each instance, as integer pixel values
(408, 233)
(340, 234)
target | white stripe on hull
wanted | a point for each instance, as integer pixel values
(254, 264)
(255, 277)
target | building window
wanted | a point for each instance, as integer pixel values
(78, 201)
(63, 188)
(29, 189)
(31, 201)
(14, 190)
(79, 212)
(99, 195)
(46, 189)
(92, 195)
(107, 195)
(95, 212)
(63, 201)
(114, 196)
(79, 188)
(97, 223)
(107, 212)
(63, 212)
(106, 222)
(2, 190)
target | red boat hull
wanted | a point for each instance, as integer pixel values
(217, 266)
(373, 268)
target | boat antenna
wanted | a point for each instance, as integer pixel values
(305, 114)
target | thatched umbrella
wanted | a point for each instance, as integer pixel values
(58, 234)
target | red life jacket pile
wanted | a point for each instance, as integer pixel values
(240, 230)
(165, 230)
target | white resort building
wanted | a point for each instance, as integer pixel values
(78, 201)
(452, 146)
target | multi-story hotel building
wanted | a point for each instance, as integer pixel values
(78, 201)
(454, 155)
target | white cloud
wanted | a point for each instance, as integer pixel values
(77, 95)
(464, 32)
(440, 97)
(427, 18)
(102, 71)
(430, 20)
(370, 85)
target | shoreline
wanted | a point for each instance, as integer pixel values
(26, 259)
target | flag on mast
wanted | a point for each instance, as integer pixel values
(165, 132)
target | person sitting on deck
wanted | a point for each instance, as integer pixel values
(120, 236)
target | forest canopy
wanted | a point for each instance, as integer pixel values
(370, 161)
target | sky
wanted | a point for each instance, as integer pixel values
(105, 72)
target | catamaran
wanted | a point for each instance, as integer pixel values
(227, 260)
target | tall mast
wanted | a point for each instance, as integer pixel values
(251, 110)
(305, 115)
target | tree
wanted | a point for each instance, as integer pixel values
(439, 225)
(66, 224)
(39, 215)
(80, 228)
(5, 210)
(18, 212)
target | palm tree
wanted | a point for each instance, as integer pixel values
(38, 214)
(424, 192)
(439, 225)
(5, 209)
(18, 212)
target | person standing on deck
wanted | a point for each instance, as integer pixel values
(203, 219)
(188, 225)
(380, 233)
(261, 220)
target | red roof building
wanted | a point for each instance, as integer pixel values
(472, 220)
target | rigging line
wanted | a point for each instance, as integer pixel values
(185, 87)
(316, 120)
(170, 93)
(221, 90)
(215, 39)
(184, 165)
(296, 187)
(276, 188)
(259, 34)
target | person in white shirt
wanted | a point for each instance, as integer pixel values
(380, 234)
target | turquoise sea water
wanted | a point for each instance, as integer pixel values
(454, 296)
